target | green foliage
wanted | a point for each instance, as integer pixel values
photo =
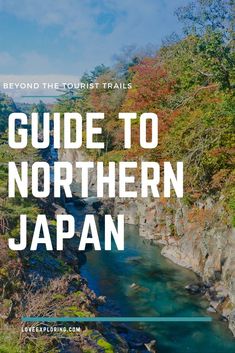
(202, 136)
(7, 106)
(58, 296)
(107, 347)
(75, 311)
(201, 15)
(40, 108)
(89, 350)
(94, 74)
(41, 345)
(211, 22)
(9, 342)
(114, 156)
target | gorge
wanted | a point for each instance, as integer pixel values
(204, 244)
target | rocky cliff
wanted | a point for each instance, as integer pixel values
(198, 237)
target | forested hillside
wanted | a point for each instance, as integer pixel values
(189, 83)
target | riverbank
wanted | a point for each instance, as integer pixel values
(57, 289)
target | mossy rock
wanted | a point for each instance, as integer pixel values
(74, 311)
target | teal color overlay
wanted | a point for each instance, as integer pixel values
(117, 319)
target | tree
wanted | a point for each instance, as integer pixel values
(201, 15)
(7, 106)
(211, 22)
(109, 102)
(151, 92)
(41, 108)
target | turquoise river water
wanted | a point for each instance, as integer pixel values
(159, 290)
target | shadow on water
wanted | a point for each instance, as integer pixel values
(140, 282)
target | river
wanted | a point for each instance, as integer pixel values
(139, 281)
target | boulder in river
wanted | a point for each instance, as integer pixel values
(210, 309)
(78, 202)
(137, 288)
(134, 286)
(196, 288)
(101, 300)
(151, 346)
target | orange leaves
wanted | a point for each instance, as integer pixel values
(200, 216)
(217, 151)
(151, 87)
(220, 178)
(151, 92)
